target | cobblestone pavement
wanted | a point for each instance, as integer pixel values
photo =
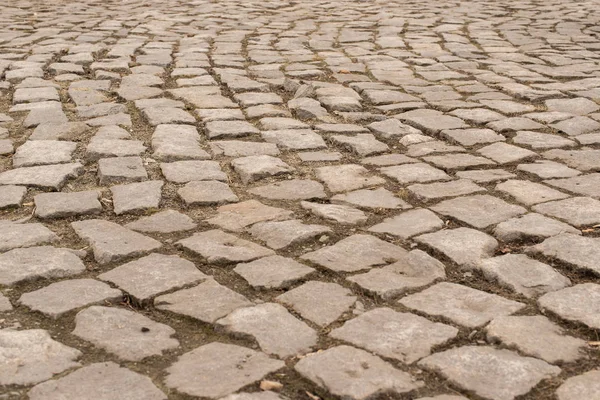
(262, 200)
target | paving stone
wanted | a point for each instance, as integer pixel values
(295, 139)
(218, 247)
(154, 274)
(531, 226)
(5, 304)
(229, 129)
(514, 124)
(529, 193)
(355, 253)
(60, 205)
(319, 156)
(401, 336)
(523, 274)
(192, 170)
(472, 137)
(133, 197)
(409, 223)
(460, 304)
(418, 172)
(581, 252)
(504, 153)
(101, 381)
(12, 196)
(587, 185)
(306, 108)
(19, 265)
(426, 147)
(439, 190)
(218, 369)
(273, 327)
(206, 302)
(536, 336)
(339, 213)
(207, 193)
(477, 115)
(320, 302)
(391, 128)
(295, 189)
(59, 298)
(253, 168)
(479, 211)
(363, 144)
(32, 356)
(431, 122)
(354, 374)
(6, 147)
(121, 169)
(101, 109)
(236, 217)
(342, 178)
(548, 169)
(167, 115)
(103, 148)
(59, 131)
(41, 152)
(537, 140)
(46, 176)
(112, 242)
(129, 335)
(167, 221)
(584, 386)
(583, 160)
(577, 211)
(371, 199)
(14, 235)
(280, 234)
(579, 106)
(579, 303)
(32, 95)
(238, 148)
(415, 269)
(388, 159)
(470, 368)
(177, 142)
(272, 272)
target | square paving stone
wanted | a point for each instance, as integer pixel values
(41, 152)
(486, 175)
(439, 190)
(129, 335)
(14, 235)
(121, 169)
(428, 147)
(100, 381)
(229, 129)
(529, 193)
(31, 356)
(112, 242)
(409, 223)
(536, 336)
(371, 199)
(363, 144)
(134, 197)
(451, 162)
(578, 251)
(336, 212)
(218, 247)
(460, 304)
(205, 193)
(577, 211)
(504, 153)
(167, 115)
(46, 176)
(537, 140)
(584, 386)
(152, 275)
(276, 330)
(418, 172)
(167, 221)
(177, 142)
(12, 196)
(236, 217)
(486, 371)
(215, 114)
(253, 168)
(206, 302)
(545, 169)
(514, 124)
(523, 274)
(280, 234)
(579, 303)
(61, 297)
(355, 253)
(60, 205)
(586, 185)
(293, 189)
(401, 336)
(584, 160)
(192, 170)
(239, 148)
(479, 211)
(577, 126)
(578, 106)
(388, 159)
(217, 369)
(343, 178)
(103, 148)
(354, 374)
(272, 272)
(472, 137)
(414, 270)
(320, 302)
(531, 226)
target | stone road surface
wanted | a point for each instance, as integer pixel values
(267, 200)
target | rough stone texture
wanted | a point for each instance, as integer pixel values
(418, 172)
(60, 205)
(581, 252)
(435, 191)
(272, 272)
(343, 178)
(253, 168)
(587, 185)
(207, 193)
(490, 373)
(530, 193)
(14, 235)
(206, 302)
(217, 369)
(531, 226)
(12, 196)
(336, 212)
(320, 302)
(152, 275)
(354, 374)
(579, 303)
(61, 297)
(236, 217)
(112, 242)
(401, 336)
(280, 234)
(409, 223)
(47, 176)
(32, 356)
(584, 386)
(192, 170)
(371, 199)
(479, 211)
(129, 335)
(461, 304)
(101, 381)
(295, 189)
(218, 247)
(577, 211)
(121, 169)
(134, 197)
(274, 328)
(167, 221)
(536, 336)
